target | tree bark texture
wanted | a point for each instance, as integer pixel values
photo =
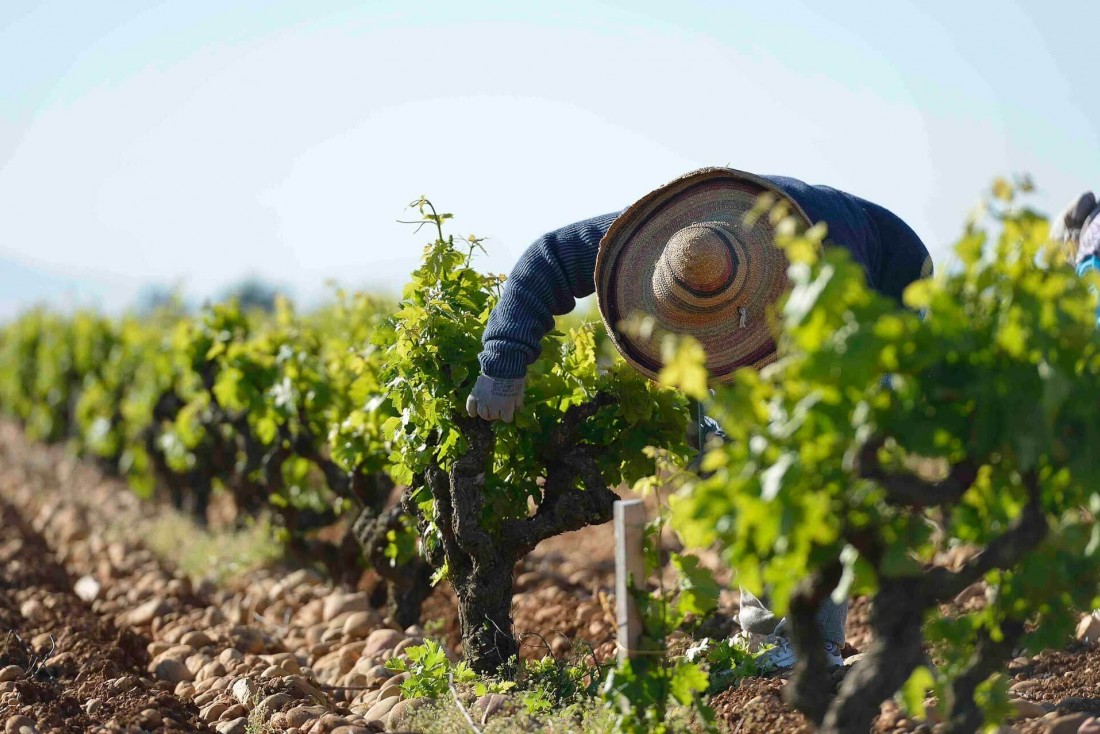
(481, 564)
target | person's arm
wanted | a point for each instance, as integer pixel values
(891, 254)
(550, 276)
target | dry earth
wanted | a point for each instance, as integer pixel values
(101, 635)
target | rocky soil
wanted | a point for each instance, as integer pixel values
(97, 634)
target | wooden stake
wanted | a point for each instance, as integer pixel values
(629, 566)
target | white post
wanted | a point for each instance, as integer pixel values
(629, 566)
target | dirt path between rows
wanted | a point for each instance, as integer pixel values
(66, 668)
(282, 650)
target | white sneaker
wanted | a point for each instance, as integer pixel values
(776, 652)
(779, 655)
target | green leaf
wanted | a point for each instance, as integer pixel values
(688, 681)
(685, 368)
(698, 588)
(914, 690)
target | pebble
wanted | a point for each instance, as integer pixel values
(406, 644)
(331, 721)
(196, 639)
(213, 711)
(124, 683)
(383, 639)
(1027, 709)
(213, 669)
(389, 690)
(229, 656)
(337, 604)
(527, 580)
(402, 709)
(1068, 724)
(358, 625)
(17, 722)
(236, 726)
(489, 704)
(171, 670)
(33, 610)
(1023, 686)
(247, 639)
(10, 672)
(87, 588)
(300, 715)
(274, 702)
(144, 614)
(307, 689)
(93, 705)
(150, 718)
(245, 690)
(380, 709)
(1088, 629)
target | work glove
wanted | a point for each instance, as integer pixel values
(495, 397)
(1078, 226)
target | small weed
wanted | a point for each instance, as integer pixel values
(727, 662)
(218, 555)
(430, 672)
(258, 719)
(435, 627)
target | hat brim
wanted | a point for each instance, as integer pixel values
(629, 252)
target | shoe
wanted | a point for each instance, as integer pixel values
(776, 653)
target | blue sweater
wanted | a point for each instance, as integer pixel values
(559, 268)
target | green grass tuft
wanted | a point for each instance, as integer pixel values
(217, 555)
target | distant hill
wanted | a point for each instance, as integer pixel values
(23, 286)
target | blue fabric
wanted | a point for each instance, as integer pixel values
(559, 268)
(1090, 263)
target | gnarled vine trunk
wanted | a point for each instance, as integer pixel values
(899, 607)
(480, 563)
(407, 584)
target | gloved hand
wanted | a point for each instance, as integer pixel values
(494, 397)
(1079, 226)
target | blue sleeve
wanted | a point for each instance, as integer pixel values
(903, 257)
(890, 252)
(1090, 263)
(552, 273)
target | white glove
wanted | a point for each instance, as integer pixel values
(494, 397)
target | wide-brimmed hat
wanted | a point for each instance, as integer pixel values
(685, 255)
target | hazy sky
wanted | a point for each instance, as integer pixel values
(198, 141)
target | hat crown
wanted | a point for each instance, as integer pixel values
(701, 258)
(686, 255)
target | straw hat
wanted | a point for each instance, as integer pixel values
(684, 255)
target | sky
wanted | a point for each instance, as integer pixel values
(194, 143)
